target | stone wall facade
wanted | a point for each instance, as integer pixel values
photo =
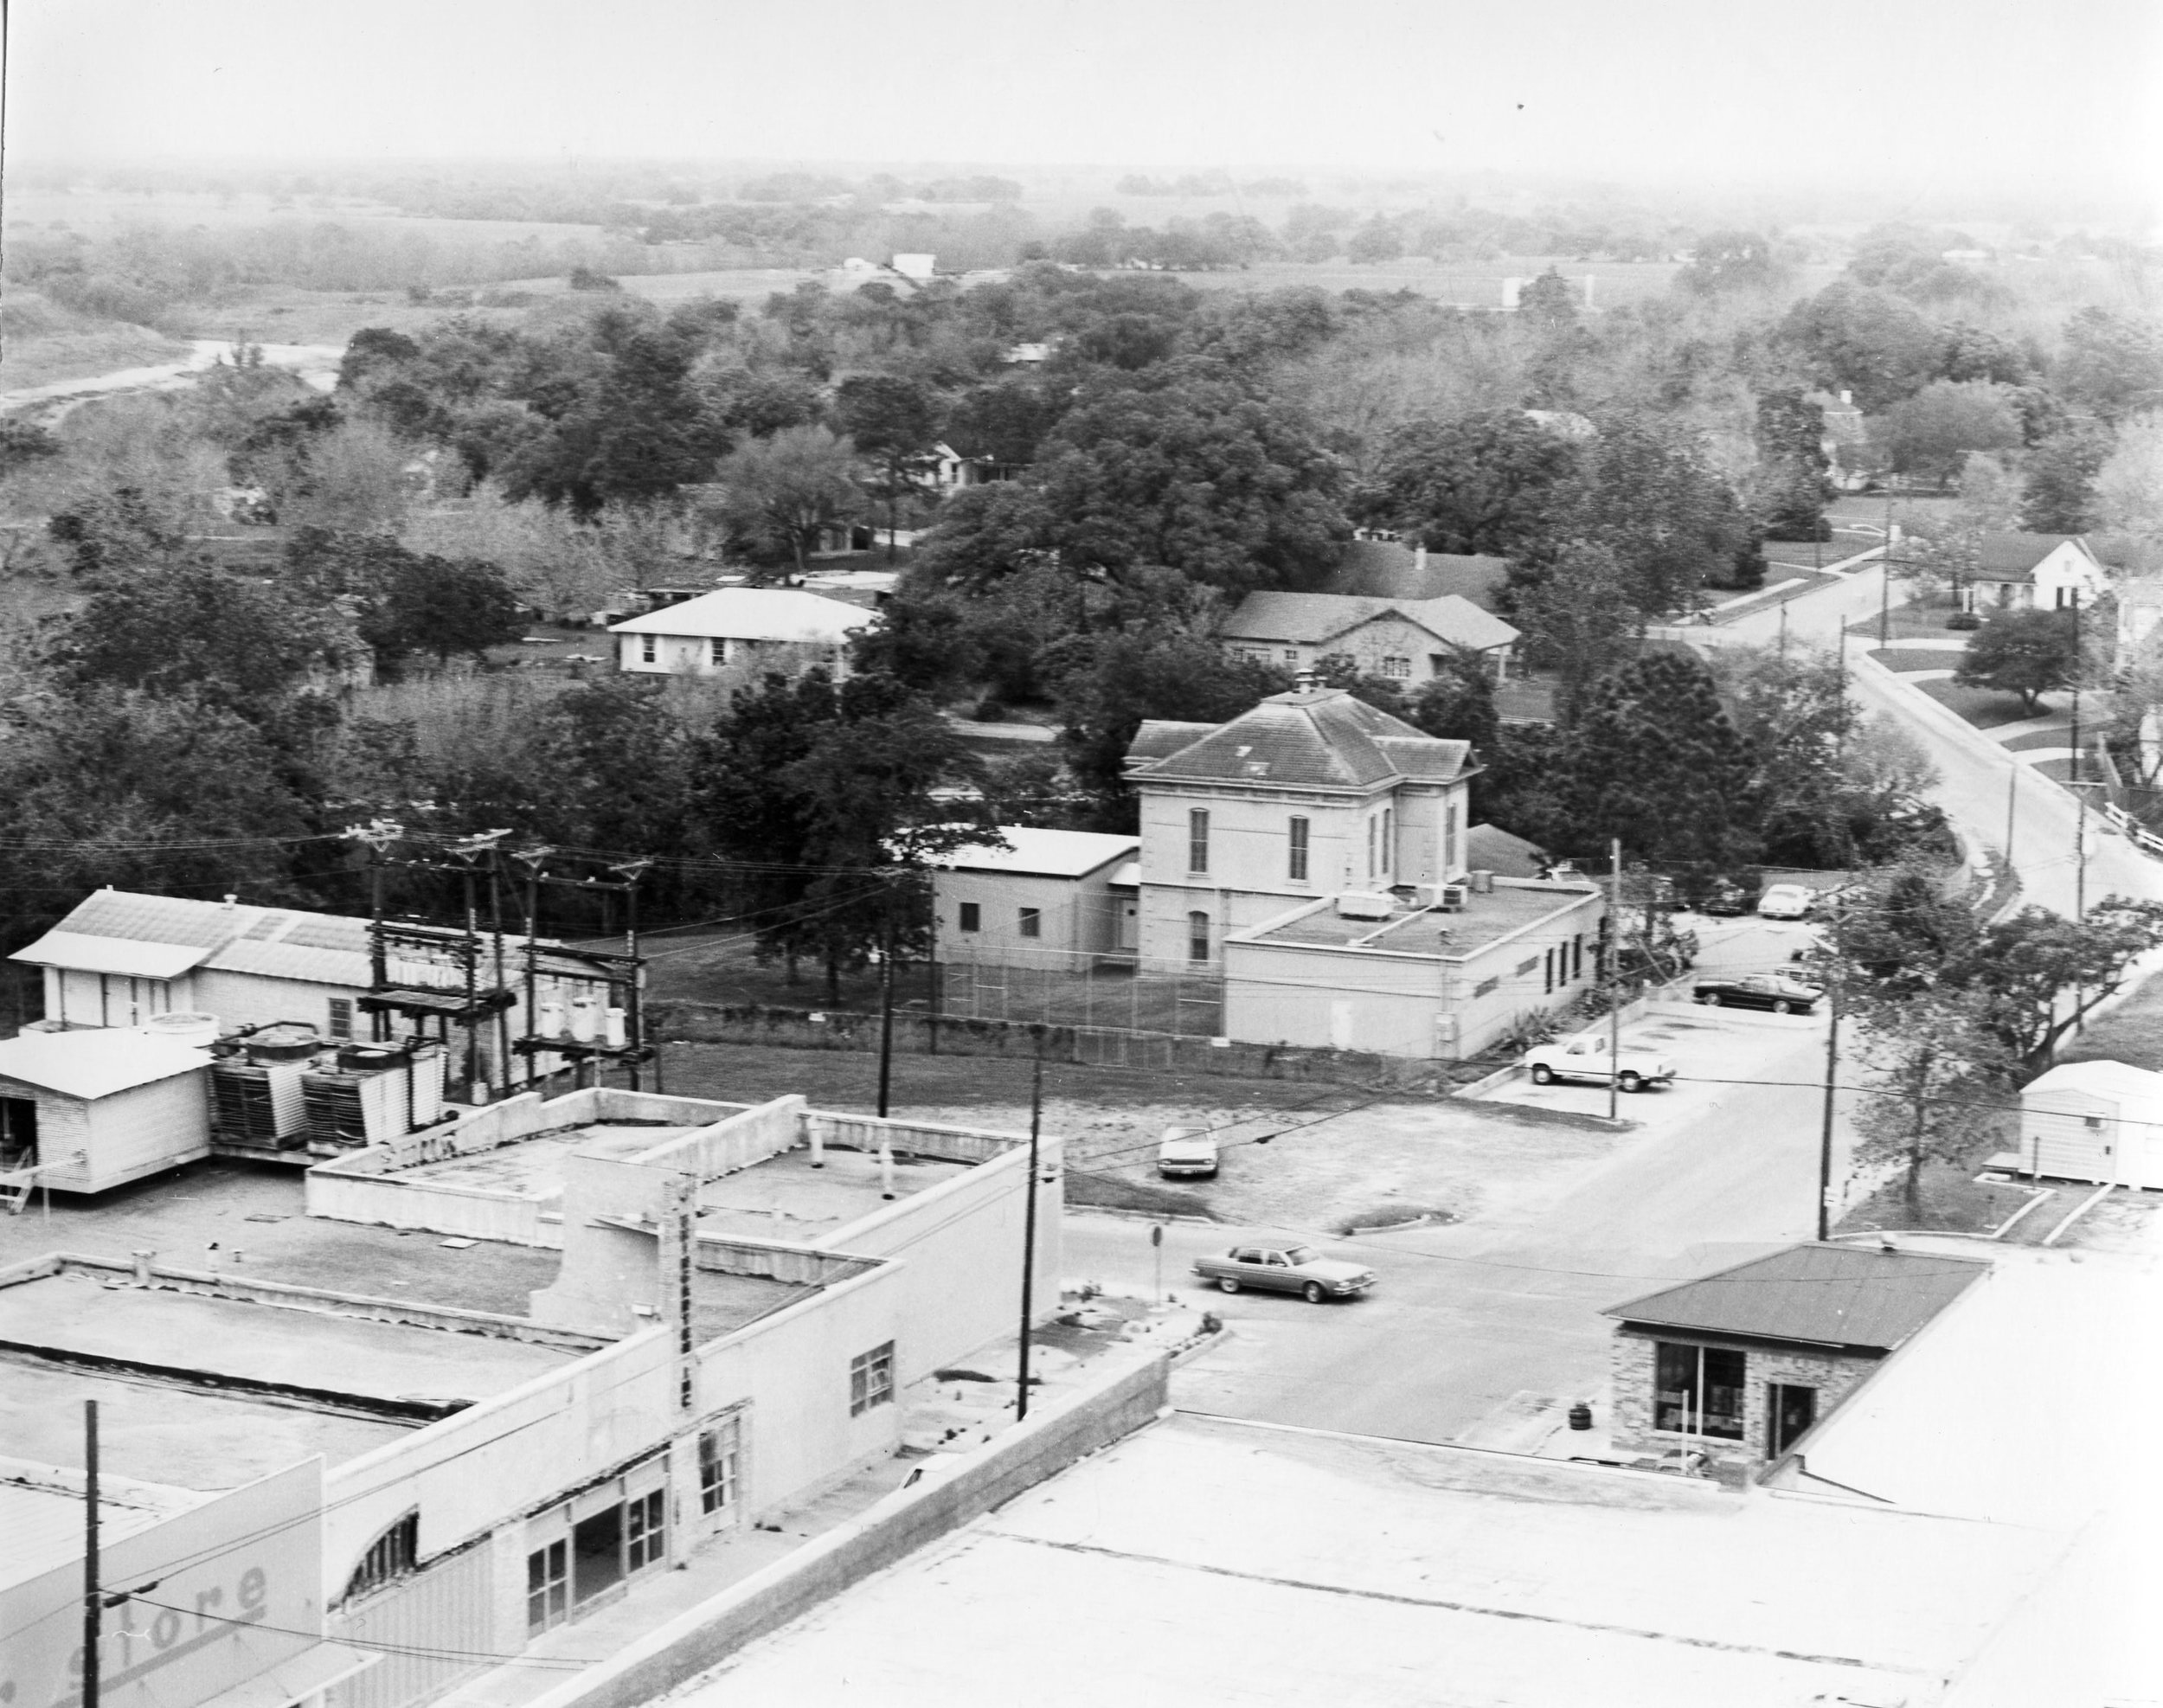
(1834, 1375)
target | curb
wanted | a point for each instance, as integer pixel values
(1141, 1216)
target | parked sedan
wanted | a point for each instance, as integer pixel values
(1285, 1268)
(1758, 990)
(1786, 901)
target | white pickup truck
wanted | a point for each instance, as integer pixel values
(1587, 1058)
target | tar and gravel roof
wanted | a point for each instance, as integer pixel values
(1320, 737)
(1824, 1295)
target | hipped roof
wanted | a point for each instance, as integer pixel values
(1824, 1295)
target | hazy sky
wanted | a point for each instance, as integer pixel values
(1917, 92)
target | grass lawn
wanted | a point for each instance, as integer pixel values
(1908, 510)
(1905, 658)
(723, 967)
(1951, 1198)
(2041, 738)
(1906, 622)
(2132, 1032)
(1985, 708)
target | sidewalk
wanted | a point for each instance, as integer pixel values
(974, 1403)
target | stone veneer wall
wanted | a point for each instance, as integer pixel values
(1834, 1375)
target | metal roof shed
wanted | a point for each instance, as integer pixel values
(2100, 1121)
(84, 1111)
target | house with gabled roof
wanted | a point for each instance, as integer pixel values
(2034, 572)
(1386, 568)
(1739, 1365)
(121, 959)
(1405, 640)
(740, 634)
(1315, 851)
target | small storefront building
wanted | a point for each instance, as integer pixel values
(1739, 1365)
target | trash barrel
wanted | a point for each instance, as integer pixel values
(1580, 1416)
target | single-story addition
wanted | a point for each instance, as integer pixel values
(1739, 1363)
(1063, 899)
(81, 1112)
(2094, 1121)
(1381, 973)
(2034, 572)
(1406, 640)
(739, 634)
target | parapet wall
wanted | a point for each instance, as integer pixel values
(1065, 1430)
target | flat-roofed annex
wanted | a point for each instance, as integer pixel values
(206, 1382)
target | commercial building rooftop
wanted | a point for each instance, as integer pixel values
(1485, 917)
(41, 1511)
(787, 1198)
(196, 1438)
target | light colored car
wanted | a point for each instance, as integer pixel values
(1187, 1153)
(1285, 1268)
(1786, 901)
(1587, 1058)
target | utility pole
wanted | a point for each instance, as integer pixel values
(1614, 978)
(1028, 1229)
(1885, 574)
(2012, 787)
(93, 1592)
(886, 1004)
(1835, 985)
(2080, 810)
(931, 964)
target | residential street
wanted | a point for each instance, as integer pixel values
(1480, 1332)
(1973, 770)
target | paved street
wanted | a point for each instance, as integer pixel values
(1974, 771)
(1470, 1323)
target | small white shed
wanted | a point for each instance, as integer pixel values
(2094, 1121)
(96, 1108)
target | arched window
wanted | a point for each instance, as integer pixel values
(391, 1555)
(1197, 937)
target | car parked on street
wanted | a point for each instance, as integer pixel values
(1587, 1058)
(1285, 1268)
(1758, 990)
(1786, 901)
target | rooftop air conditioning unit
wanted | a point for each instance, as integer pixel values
(1364, 904)
(1448, 898)
(1482, 883)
